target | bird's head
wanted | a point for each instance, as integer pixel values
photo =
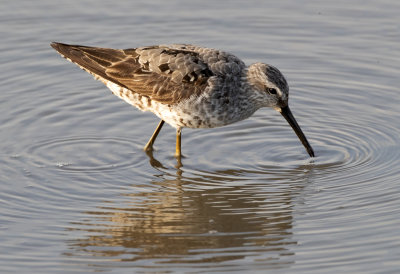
(269, 84)
(271, 89)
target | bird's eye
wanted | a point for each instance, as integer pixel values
(272, 90)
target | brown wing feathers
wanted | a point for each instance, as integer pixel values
(94, 60)
(165, 75)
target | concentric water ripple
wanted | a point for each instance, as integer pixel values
(88, 154)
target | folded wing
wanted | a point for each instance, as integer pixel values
(164, 74)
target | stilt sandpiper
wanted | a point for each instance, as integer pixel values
(186, 85)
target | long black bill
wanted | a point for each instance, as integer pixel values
(285, 111)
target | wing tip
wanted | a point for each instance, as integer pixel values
(60, 47)
(55, 45)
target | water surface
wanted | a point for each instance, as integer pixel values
(78, 194)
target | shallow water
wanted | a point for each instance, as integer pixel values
(78, 194)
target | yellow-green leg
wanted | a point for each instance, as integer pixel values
(149, 145)
(178, 143)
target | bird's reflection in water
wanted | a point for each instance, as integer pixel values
(153, 161)
(198, 219)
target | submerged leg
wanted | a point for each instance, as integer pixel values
(178, 143)
(149, 145)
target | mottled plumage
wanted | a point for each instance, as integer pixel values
(186, 85)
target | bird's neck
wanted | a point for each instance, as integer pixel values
(247, 101)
